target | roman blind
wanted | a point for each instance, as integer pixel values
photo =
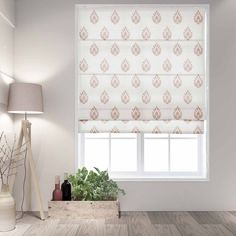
(142, 68)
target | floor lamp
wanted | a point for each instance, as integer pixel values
(26, 98)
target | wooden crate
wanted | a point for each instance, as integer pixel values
(83, 209)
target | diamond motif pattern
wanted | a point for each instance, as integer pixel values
(115, 82)
(104, 97)
(188, 33)
(135, 17)
(104, 33)
(177, 81)
(156, 113)
(115, 50)
(94, 49)
(146, 98)
(156, 17)
(156, 81)
(198, 18)
(135, 81)
(125, 97)
(177, 49)
(198, 50)
(135, 49)
(94, 17)
(115, 17)
(167, 33)
(156, 49)
(146, 34)
(125, 34)
(177, 17)
(83, 33)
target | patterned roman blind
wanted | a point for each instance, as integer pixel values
(142, 68)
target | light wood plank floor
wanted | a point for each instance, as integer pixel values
(133, 224)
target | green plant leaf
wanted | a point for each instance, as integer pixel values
(94, 186)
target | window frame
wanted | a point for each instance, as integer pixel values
(141, 174)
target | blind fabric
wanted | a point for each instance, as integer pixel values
(142, 68)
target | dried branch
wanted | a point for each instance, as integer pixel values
(11, 157)
(14, 167)
(20, 147)
(12, 174)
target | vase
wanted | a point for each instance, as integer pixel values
(57, 193)
(7, 210)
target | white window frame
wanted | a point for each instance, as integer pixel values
(140, 174)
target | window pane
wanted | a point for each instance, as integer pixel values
(184, 135)
(123, 155)
(123, 135)
(96, 135)
(184, 155)
(155, 135)
(96, 153)
(156, 155)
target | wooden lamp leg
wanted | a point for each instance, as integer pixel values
(25, 133)
(19, 144)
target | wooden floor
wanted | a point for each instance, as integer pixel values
(134, 224)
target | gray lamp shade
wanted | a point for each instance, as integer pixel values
(25, 98)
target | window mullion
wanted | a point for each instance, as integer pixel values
(142, 152)
(81, 159)
(109, 164)
(169, 157)
(200, 154)
(139, 154)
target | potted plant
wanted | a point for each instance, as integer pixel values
(11, 157)
(94, 195)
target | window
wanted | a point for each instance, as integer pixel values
(143, 90)
(145, 156)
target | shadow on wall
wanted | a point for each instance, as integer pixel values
(6, 123)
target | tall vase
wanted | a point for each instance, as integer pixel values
(57, 193)
(7, 210)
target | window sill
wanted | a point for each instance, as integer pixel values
(160, 179)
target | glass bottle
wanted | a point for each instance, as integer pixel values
(57, 193)
(66, 189)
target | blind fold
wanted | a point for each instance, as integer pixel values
(141, 69)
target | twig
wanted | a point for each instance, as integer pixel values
(12, 174)
(10, 157)
(14, 167)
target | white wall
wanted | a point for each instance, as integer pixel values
(45, 53)
(7, 21)
(7, 8)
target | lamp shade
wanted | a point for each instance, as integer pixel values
(25, 98)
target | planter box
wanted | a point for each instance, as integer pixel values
(83, 209)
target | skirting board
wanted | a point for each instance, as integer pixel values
(83, 209)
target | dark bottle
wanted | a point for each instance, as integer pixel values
(66, 189)
(57, 193)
